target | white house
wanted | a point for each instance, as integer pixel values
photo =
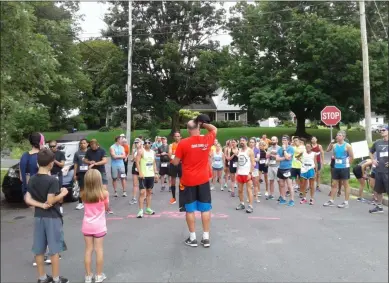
(271, 122)
(375, 120)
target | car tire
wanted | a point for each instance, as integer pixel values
(74, 193)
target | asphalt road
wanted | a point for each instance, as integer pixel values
(274, 244)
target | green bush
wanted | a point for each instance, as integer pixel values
(82, 127)
(165, 125)
(288, 124)
(228, 124)
(314, 125)
(104, 129)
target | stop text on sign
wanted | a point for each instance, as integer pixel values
(331, 115)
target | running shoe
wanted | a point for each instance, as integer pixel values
(190, 243)
(311, 202)
(291, 203)
(318, 189)
(361, 199)
(259, 194)
(279, 198)
(109, 211)
(222, 188)
(240, 207)
(329, 203)
(266, 194)
(133, 201)
(257, 200)
(172, 201)
(287, 194)
(270, 197)
(88, 278)
(232, 194)
(48, 279)
(205, 243)
(249, 209)
(260, 181)
(61, 280)
(140, 214)
(124, 194)
(229, 190)
(80, 206)
(115, 194)
(235, 186)
(377, 209)
(100, 278)
(343, 205)
(149, 211)
(47, 259)
(212, 188)
(225, 186)
(303, 201)
(282, 201)
(373, 203)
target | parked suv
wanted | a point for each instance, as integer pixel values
(12, 186)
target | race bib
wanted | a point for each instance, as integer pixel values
(136, 169)
(84, 168)
(286, 174)
(149, 164)
(123, 175)
(384, 154)
(262, 161)
(338, 161)
(173, 156)
(272, 162)
(164, 164)
(235, 164)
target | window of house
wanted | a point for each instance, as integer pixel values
(376, 119)
(231, 116)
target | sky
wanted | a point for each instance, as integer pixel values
(94, 21)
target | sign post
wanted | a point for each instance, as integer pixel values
(331, 116)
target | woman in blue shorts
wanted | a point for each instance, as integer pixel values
(309, 165)
(217, 165)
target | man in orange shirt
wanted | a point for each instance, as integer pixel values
(127, 152)
(175, 171)
(195, 190)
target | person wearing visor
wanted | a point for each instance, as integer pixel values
(285, 156)
(195, 190)
(137, 147)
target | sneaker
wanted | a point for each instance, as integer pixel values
(124, 194)
(343, 205)
(287, 194)
(259, 194)
(205, 243)
(318, 189)
(361, 199)
(270, 197)
(149, 211)
(212, 188)
(291, 203)
(266, 194)
(222, 188)
(257, 200)
(311, 202)
(329, 203)
(47, 280)
(229, 190)
(140, 214)
(377, 209)
(279, 198)
(225, 186)
(80, 206)
(249, 209)
(172, 201)
(133, 201)
(34, 264)
(240, 207)
(88, 278)
(303, 201)
(115, 194)
(232, 194)
(282, 201)
(109, 211)
(61, 280)
(61, 209)
(373, 203)
(190, 243)
(100, 278)
(47, 260)
(260, 181)
(235, 186)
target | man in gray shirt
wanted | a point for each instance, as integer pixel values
(272, 165)
(380, 147)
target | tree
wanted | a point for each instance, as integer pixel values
(174, 57)
(287, 58)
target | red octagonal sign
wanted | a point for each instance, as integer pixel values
(331, 115)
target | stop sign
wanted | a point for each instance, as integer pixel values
(331, 115)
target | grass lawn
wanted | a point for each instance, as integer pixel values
(53, 135)
(106, 139)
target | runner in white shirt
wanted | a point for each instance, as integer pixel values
(308, 168)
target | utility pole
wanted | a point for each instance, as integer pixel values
(129, 72)
(366, 77)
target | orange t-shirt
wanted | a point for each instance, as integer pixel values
(126, 149)
(174, 148)
(194, 154)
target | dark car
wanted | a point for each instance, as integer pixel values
(12, 186)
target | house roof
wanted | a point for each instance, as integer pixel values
(202, 106)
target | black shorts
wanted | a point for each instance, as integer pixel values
(195, 198)
(80, 179)
(340, 173)
(146, 183)
(381, 182)
(284, 174)
(164, 170)
(175, 171)
(358, 172)
(133, 170)
(295, 172)
(232, 168)
(372, 174)
(263, 168)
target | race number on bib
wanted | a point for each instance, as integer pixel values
(235, 164)
(338, 161)
(123, 175)
(384, 154)
(149, 164)
(173, 156)
(262, 161)
(164, 164)
(84, 168)
(286, 174)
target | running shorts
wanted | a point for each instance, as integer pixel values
(272, 173)
(48, 232)
(80, 179)
(358, 172)
(195, 198)
(175, 171)
(263, 168)
(233, 167)
(118, 172)
(164, 168)
(283, 174)
(98, 235)
(295, 172)
(146, 183)
(134, 170)
(340, 173)
(381, 182)
(217, 169)
(243, 179)
(310, 174)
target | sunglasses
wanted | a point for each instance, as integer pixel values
(52, 146)
(147, 142)
(383, 130)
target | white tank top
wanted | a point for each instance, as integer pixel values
(308, 161)
(244, 163)
(217, 160)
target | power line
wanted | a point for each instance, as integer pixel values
(382, 22)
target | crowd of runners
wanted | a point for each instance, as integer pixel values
(197, 165)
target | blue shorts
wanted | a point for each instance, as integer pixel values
(195, 198)
(118, 171)
(48, 232)
(310, 174)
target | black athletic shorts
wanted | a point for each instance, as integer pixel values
(195, 198)
(381, 182)
(284, 174)
(80, 179)
(232, 168)
(295, 172)
(164, 168)
(146, 183)
(357, 170)
(263, 168)
(133, 170)
(175, 171)
(341, 173)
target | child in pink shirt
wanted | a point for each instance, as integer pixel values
(94, 226)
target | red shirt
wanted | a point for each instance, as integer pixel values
(194, 154)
